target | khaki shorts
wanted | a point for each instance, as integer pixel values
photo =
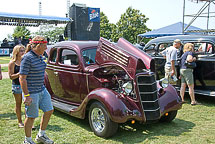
(168, 74)
(187, 76)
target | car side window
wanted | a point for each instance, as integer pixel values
(162, 47)
(204, 47)
(89, 56)
(68, 57)
(53, 56)
(150, 49)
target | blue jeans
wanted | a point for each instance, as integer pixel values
(40, 100)
(16, 89)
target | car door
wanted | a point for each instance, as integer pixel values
(204, 72)
(50, 71)
(69, 75)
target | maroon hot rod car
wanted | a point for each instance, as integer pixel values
(110, 83)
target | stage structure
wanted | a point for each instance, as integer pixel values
(204, 12)
(13, 19)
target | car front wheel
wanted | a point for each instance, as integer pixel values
(100, 122)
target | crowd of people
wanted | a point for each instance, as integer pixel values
(16, 41)
(24, 41)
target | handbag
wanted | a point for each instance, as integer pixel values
(190, 65)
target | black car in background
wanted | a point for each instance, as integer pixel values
(204, 73)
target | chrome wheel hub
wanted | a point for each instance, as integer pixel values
(98, 119)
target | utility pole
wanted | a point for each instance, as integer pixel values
(68, 5)
(40, 13)
(40, 8)
(69, 24)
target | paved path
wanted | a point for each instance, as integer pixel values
(4, 65)
(4, 74)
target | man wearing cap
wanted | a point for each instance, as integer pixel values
(32, 71)
(171, 59)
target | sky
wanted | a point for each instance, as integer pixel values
(160, 12)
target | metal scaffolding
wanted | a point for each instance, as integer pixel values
(204, 12)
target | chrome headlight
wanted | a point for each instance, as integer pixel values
(164, 82)
(127, 87)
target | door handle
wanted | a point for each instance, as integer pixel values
(56, 73)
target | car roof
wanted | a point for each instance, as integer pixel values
(78, 44)
(184, 38)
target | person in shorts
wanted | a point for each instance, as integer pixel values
(170, 54)
(186, 74)
(32, 72)
(13, 71)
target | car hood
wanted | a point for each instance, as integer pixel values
(125, 54)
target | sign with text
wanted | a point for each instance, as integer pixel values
(4, 51)
(94, 14)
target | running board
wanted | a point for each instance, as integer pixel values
(63, 107)
(200, 92)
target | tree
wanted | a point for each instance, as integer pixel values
(105, 26)
(21, 31)
(115, 33)
(50, 31)
(130, 25)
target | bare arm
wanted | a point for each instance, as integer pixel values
(173, 67)
(23, 83)
(163, 53)
(11, 71)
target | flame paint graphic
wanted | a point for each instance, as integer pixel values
(93, 11)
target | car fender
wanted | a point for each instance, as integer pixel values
(119, 109)
(170, 100)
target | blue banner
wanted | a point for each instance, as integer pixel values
(4, 51)
(94, 14)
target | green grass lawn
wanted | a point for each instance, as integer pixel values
(4, 69)
(193, 125)
(4, 59)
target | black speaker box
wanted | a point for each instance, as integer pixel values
(81, 27)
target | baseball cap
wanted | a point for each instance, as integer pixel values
(177, 41)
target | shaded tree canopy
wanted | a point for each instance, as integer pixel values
(50, 31)
(21, 31)
(105, 26)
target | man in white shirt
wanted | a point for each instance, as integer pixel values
(171, 59)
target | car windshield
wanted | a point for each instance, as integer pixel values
(89, 56)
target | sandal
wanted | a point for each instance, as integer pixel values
(196, 103)
(21, 125)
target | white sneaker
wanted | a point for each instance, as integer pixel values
(43, 139)
(28, 142)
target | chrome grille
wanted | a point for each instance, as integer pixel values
(147, 88)
(115, 54)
